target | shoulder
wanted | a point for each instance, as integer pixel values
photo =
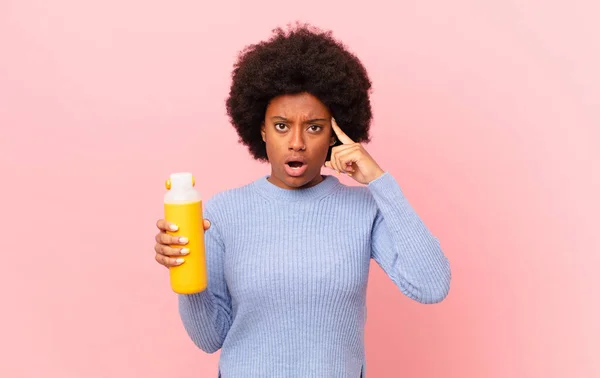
(383, 188)
(360, 194)
(229, 199)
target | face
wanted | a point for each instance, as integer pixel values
(297, 132)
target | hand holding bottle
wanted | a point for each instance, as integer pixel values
(167, 255)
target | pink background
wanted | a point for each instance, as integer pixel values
(485, 111)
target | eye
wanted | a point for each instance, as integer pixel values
(315, 128)
(280, 126)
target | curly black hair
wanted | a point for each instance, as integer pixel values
(305, 59)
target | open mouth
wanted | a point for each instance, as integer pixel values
(295, 168)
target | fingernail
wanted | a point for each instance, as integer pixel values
(173, 227)
(185, 251)
(183, 240)
(179, 261)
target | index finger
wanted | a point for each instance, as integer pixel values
(163, 225)
(342, 137)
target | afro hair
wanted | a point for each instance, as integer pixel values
(304, 59)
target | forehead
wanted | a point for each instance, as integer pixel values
(294, 105)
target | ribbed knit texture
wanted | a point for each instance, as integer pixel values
(288, 274)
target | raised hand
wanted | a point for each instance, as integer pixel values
(352, 158)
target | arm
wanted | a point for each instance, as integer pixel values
(206, 316)
(400, 242)
(404, 247)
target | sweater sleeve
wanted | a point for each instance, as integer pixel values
(206, 316)
(404, 247)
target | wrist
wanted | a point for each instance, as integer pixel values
(377, 174)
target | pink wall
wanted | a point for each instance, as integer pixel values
(485, 111)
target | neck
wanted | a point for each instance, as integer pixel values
(323, 186)
(280, 183)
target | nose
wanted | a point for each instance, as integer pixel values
(297, 140)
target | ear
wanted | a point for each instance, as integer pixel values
(262, 132)
(333, 138)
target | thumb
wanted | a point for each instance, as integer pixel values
(206, 224)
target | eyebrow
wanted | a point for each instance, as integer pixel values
(280, 118)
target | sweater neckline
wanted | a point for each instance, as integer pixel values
(272, 191)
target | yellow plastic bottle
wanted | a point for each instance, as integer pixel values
(183, 207)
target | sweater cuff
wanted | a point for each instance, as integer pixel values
(386, 186)
(392, 203)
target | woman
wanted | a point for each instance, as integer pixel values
(288, 254)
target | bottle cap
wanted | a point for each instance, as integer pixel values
(180, 180)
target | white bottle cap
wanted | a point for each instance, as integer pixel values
(182, 180)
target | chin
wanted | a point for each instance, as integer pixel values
(297, 182)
